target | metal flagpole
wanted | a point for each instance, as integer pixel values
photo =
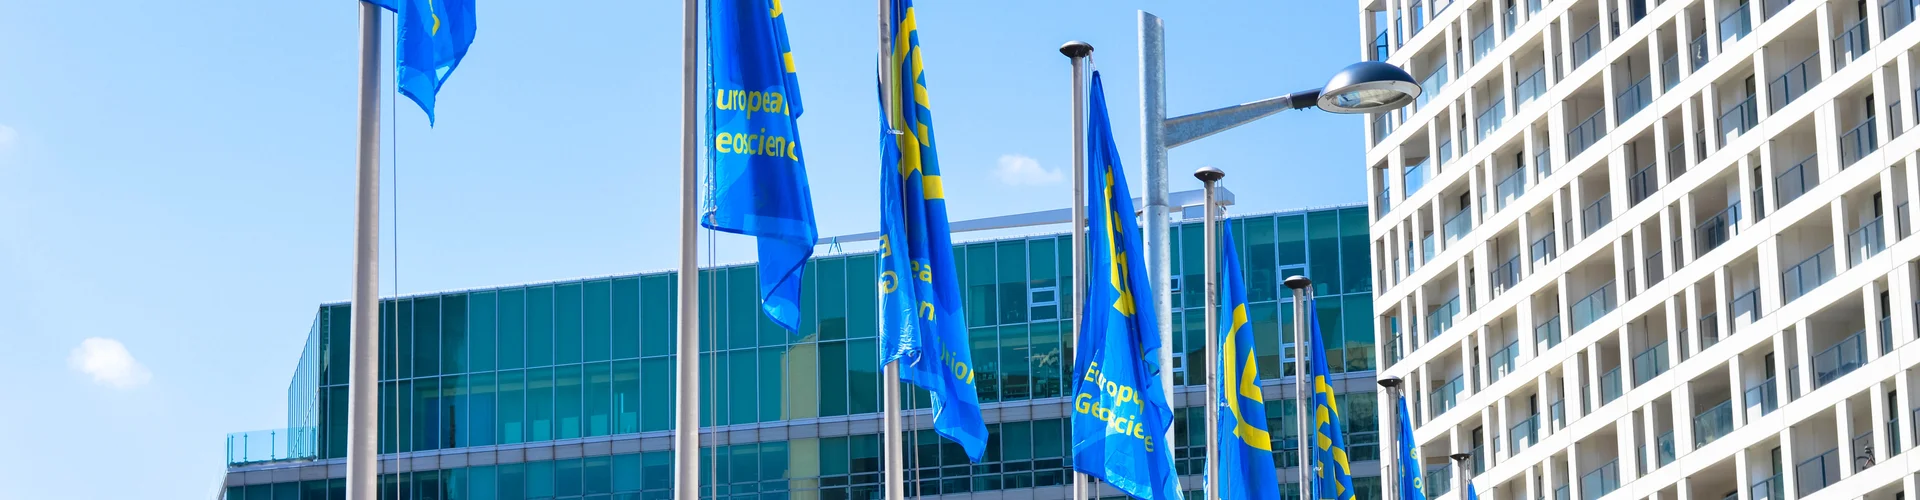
(1389, 440)
(1078, 51)
(686, 429)
(363, 391)
(1153, 111)
(1211, 176)
(1302, 379)
(892, 433)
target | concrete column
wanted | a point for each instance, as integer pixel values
(1790, 482)
(1823, 27)
(1802, 357)
(1735, 370)
(1878, 412)
(1842, 255)
(1843, 425)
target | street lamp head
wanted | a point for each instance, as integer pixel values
(1076, 49)
(1389, 382)
(1368, 87)
(1208, 174)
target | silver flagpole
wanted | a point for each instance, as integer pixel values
(1078, 51)
(686, 429)
(1211, 176)
(1302, 379)
(1390, 441)
(892, 433)
(363, 391)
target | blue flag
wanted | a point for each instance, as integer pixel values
(1333, 479)
(1121, 414)
(922, 321)
(434, 36)
(1409, 460)
(1472, 495)
(1246, 448)
(757, 185)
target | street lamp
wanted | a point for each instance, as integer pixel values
(1367, 87)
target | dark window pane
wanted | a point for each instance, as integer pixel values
(1323, 246)
(453, 334)
(339, 344)
(599, 391)
(833, 379)
(426, 414)
(426, 337)
(480, 331)
(742, 306)
(626, 473)
(626, 318)
(833, 298)
(482, 423)
(740, 387)
(513, 407)
(809, 300)
(403, 340)
(656, 394)
(1014, 352)
(540, 326)
(772, 381)
(1357, 314)
(982, 303)
(597, 475)
(1354, 248)
(626, 397)
(986, 362)
(1259, 262)
(513, 481)
(1189, 261)
(1291, 243)
(540, 404)
(566, 478)
(566, 324)
(513, 329)
(657, 308)
(540, 480)
(1044, 359)
(567, 401)
(862, 297)
(1328, 312)
(863, 377)
(453, 412)
(337, 422)
(596, 321)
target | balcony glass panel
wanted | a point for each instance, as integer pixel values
(1596, 304)
(1380, 46)
(1438, 480)
(1771, 488)
(1531, 87)
(1501, 362)
(1557, 412)
(1866, 241)
(1446, 152)
(1761, 398)
(1586, 133)
(1697, 51)
(1633, 99)
(1709, 327)
(1886, 335)
(1654, 266)
(1415, 178)
(1548, 332)
(1796, 180)
(1490, 118)
(272, 445)
(1851, 43)
(1600, 481)
(1505, 276)
(1807, 275)
(1841, 358)
(1482, 44)
(1664, 448)
(1458, 226)
(1649, 363)
(1740, 118)
(1524, 434)
(1610, 388)
(1901, 228)
(1773, 6)
(1895, 14)
(1597, 214)
(1430, 86)
(1793, 83)
(1858, 143)
(1382, 127)
(1746, 304)
(1642, 184)
(1426, 248)
(1586, 45)
(1543, 249)
(1510, 188)
(1441, 318)
(1709, 425)
(1716, 230)
(1670, 72)
(1816, 473)
(1735, 24)
(1447, 395)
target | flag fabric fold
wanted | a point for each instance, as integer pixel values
(1333, 476)
(1121, 415)
(757, 183)
(922, 321)
(1409, 460)
(434, 36)
(1246, 447)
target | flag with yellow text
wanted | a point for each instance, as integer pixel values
(1246, 448)
(1333, 477)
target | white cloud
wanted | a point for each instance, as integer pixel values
(109, 363)
(1022, 170)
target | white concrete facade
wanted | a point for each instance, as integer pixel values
(1651, 249)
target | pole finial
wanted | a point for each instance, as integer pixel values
(1076, 49)
(1460, 457)
(1389, 382)
(1298, 282)
(1209, 174)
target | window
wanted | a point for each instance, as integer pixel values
(1044, 299)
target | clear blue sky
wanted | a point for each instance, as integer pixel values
(178, 177)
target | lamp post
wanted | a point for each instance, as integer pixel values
(1365, 87)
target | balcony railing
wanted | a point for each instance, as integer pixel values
(1716, 230)
(1773, 7)
(1771, 488)
(1841, 358)
(1862, 450)
(1600, 481)
(1676, 160)
(1511, 22)
(1886, 335)
(1482, 44)
(1738, 119)
(1670, 72)
(1446, 396)
(1807, 275)
(1697, 51)
(273, 445)
(1543, 162)
(1663, 447)
(1858, 143)
(1380, 46)
(1735, 24)
(1818, 472)
(1426, 248)
(1415, 177)
(1430, 86)
(1441, 318)
(1490, 118)
(1501, 362)
(1793, 382)
(1510, 188)
(1793, 83)
(1649, 364)
(1709, 328)
(1895, 14)
(1438, 480)
(1548, 332)
(1610, 386)
(1642, 184)
(1382, 126)
(1655, 268)
(1850, 44)
(1597, 214)
(1506, 275)
(1796, 180)
(1761, 398)
(1746, 304)
(1713, 423)
(1531, 87)
(1543, 249)
(1557, 414)
(1446, 152)
(1866, 241)
(1524, 434)
(1633, 99)
(1596, 304)
(1586, 133)
(1384, 200)
(1901, 228)
(1586, 45)
(1458, 226)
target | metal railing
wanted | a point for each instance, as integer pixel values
(1441, 318)
(1709, 328)
(1642, 184)
(1610, 388)
(1771, 488)
(1633, 99)
(1818, 472)
(1713, 423)
(1543, 249)
(272, 445)
(1586, 45)
(1501, 362)
(1490, 118)
(1807, 275)
(1446, 396)
(1901, 228)
(1697, 51)
(1438, 480)
(1510, 188)
(1772, 7)
(1600, 481)
(1895, 14)
(1430, 86)
(1426, 248)
(1590, 308)
(1762, 397)
(1548, 332)
(1850, 44)
(1482, 44)
(1649, 363)
(1858, 143)
(1655, 268)
(1663, 447)
(1886, 335)
(1841, 358)
(1382, 126)
(1543, 162)
(1380, 52)
(1792, 83)
(1716, 230)
(1446, 152)
(1415, 177)
(1458, 226)
(1746, 304)
(1740, 118)
(1524, 434)
(1866, 241)
(1862, 448)
(1531, 87)
(1736, 24)
(1796, 180)
(1506, 275)
(1597, 214)
(1557, 414)
(1586, 133)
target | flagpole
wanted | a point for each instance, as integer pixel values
(1302, 378)
(892, 433)
(1078, 51)
(686, 429)
(1390, 441)
(363, 391)
(1211, 176)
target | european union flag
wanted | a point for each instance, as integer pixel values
(1472, 495)
(1333, 478)
(757, 185)
(434, 36)
(1246, 448)
(1409, 461)
(922, 322)
(1120, 409)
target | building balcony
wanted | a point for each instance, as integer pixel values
(1548, 332)
(1655, 269)
(1841, 358)
(1510, 188)
(1886, 335)
(1712, 424)
(1815, 474)
(1586, 133)
(1457, 226)
(1716, 230)
(1635, 98)
(1896, 14)
(1850, 44)
(272, 445)
(1506, 275)
(1490, 118)
(1709, 328)
(1642, 184)
(1441, 318)
(1735, 24)
(1858, 143)
(1447, 395)
(1745, 305)
(1807, 275)
(1761, 398)
(1586, 45)
(1482, 44)
(1531, 87)
(1597, 303)
(1670, 72)
(1663, 449)
(1524, 434)
(1793, 83)
(1697, 51)
(1596, 215)
(1430, 86)
(1600, 481)
(1771, 488)
(1438, 480)
(1501, 362)
(1649, 363)
(1544, 249)
(1866, 241)
(1796, 180)
(1610, 388)
(1739, 119)
(1415, 178)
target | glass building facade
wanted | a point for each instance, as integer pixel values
(564, 390)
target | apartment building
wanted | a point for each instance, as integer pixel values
(1650, 249)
